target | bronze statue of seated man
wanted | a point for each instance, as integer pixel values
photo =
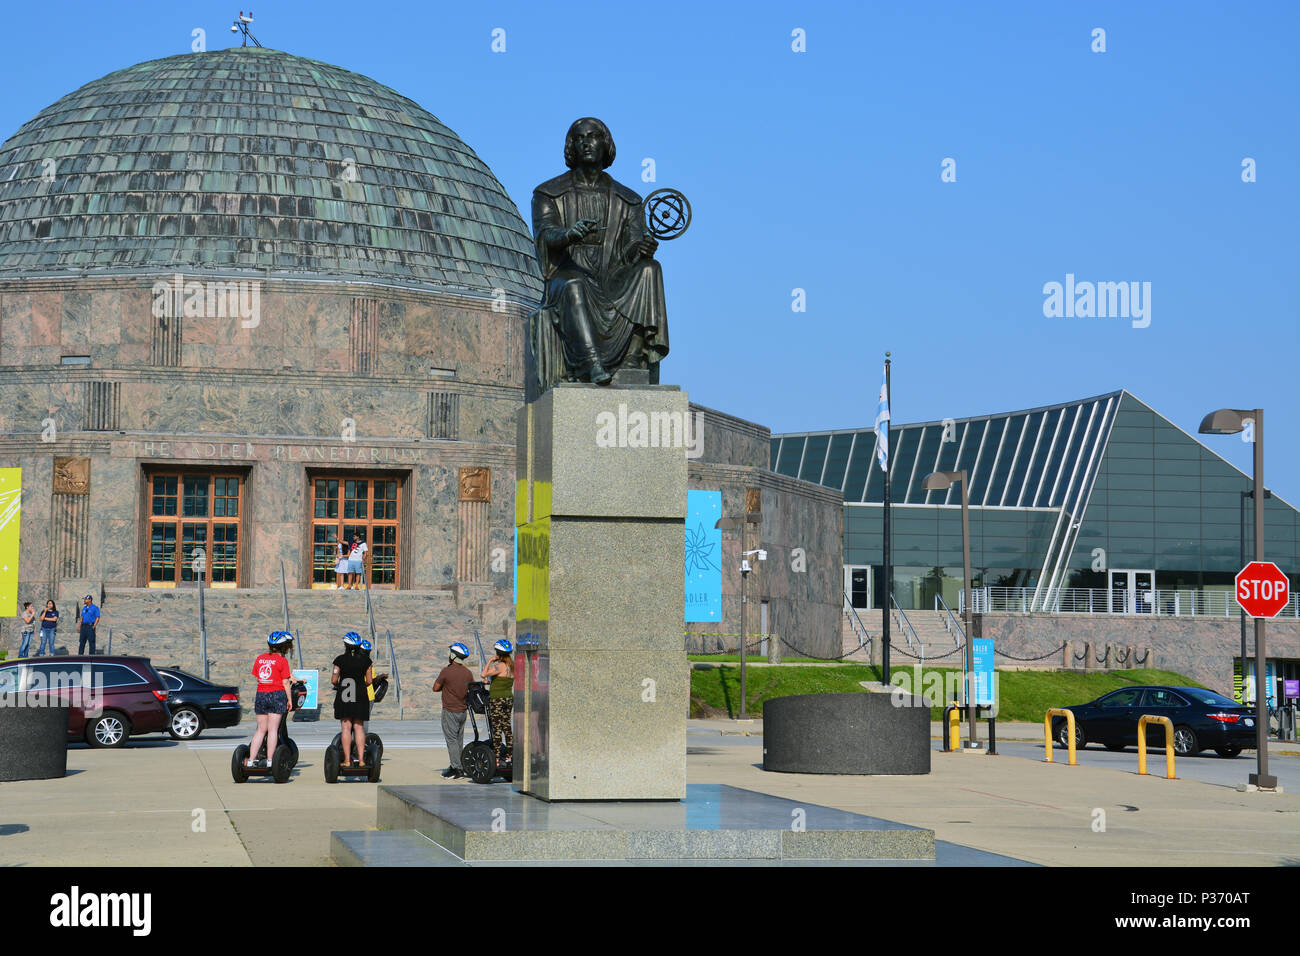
(604, 304)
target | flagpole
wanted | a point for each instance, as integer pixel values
(888, 576)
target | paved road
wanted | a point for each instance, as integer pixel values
(1207, 768)
(702, 738)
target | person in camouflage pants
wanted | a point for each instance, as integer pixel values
(501, 697)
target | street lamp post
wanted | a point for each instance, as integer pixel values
(738, 524)
(1230, 421)
(942, 481)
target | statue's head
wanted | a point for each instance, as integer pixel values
(586, 134)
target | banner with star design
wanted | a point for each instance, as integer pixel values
(703, 595)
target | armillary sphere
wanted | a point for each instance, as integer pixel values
(667, 213)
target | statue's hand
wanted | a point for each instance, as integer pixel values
(580, 230)
(645, 248)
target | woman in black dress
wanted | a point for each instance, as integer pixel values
(351, 679)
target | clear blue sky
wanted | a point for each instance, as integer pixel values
(821, 171)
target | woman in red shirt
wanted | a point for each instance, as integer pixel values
(272, 702)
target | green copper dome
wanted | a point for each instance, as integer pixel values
(251, 160)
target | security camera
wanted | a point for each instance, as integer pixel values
(745, 568)
(762, 555)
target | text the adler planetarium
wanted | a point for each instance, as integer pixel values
(249, 451)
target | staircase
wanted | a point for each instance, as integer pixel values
(163, 625)
(930, 633)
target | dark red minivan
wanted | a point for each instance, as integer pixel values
(110, 698)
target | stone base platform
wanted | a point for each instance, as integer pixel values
(479, 825)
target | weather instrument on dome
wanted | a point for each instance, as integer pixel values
(241, 26)
(667, 213)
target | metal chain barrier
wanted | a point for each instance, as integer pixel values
(1041, 657)
(785, 643)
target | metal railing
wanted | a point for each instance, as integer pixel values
(397, 677)
(855, 623)
(909, 632)
(1158, 602)
(950, 622)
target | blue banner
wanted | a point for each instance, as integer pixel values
(982, 677)
(703, 577)
(312, 680)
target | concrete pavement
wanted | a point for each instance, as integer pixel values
(162, 803)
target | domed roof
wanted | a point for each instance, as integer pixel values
(251, 160)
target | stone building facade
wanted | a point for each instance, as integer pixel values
(252, 303)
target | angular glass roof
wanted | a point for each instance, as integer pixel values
(1037, 458)
(255, 160)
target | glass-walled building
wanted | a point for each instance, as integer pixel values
(1102, 500)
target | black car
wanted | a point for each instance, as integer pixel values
(1202, 720)
(197, 704)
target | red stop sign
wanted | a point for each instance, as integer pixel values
(1262, 589)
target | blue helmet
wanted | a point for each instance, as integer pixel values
(366, 645)
(352, 638)
(504, 646)
(279, 637)
(459, 650)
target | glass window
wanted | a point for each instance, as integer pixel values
(837, 460)
(1050, 437)
(366, 508)
(814, 457)
(195, 496)
(986, 463)
(164, 494)
(116, 675)
(1069, 467)
(355, 499)
(787, 462)
(967, 447)
(1159, 697)
(864, 473)
(1121, 698)
(1000, 483)
(327, 498)
(902, 452)
(225, 497)
(931, 439)
(181, 524)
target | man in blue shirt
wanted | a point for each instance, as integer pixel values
(89, 619)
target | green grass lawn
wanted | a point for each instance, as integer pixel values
(1022, 695)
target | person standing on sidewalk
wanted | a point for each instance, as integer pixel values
(453, 681)
(89, 617)
(49, 625)
(29, 628)
(501, 698)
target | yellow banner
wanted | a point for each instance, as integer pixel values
(11, 501)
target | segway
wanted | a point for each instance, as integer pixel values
(334, 767)
(285, 756)
(476, 758)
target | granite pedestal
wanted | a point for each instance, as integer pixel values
(601, 695)
(713, 823)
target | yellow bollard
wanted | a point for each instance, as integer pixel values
(1169, 744)
(1047, 730)
(954, 728)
